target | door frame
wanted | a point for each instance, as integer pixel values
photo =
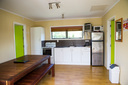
(24, 35)
(109, 42)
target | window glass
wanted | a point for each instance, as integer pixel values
(67, 32)
(74, 34)
(59, 35)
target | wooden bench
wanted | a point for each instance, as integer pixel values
(35, 76)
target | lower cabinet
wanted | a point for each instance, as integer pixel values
(86, 56)
(62, 55)
(67, 55)
(76, 55)
(72, 55)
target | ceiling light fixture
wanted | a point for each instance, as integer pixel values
(56, 3)
(62, 16)
(50, 5)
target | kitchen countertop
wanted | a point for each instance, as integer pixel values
(73, 46)
(67, 47)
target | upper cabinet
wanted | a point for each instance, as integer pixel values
(119, 30)
(37, 35)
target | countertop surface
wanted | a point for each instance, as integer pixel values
(73, 46)
(68, 47)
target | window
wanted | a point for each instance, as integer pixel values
(70, 32)
(74, 34)
(59, 35)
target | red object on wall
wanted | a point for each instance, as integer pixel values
(125, 24)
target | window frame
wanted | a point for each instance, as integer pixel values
(67, 33)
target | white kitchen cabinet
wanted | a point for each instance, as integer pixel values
(72, 55)
(37, 35)
(59, 55)
(67, 55)
(62, 55)
(85, 56)
(76, 55)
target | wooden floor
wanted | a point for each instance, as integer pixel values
(77, 75)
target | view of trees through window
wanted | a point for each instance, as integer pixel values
(74, 34)
(66, 34)
(59, 35)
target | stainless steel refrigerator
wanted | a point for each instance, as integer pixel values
(97, 48)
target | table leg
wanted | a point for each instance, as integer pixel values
(49, 62)
(53, 71)
(9, 83)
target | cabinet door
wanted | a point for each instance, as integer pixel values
(86, 56)
(76, 55)
(67, 55)
(62, 56)
(42, 34)
(59, 59)
(35, 39)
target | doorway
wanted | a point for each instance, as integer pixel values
(19, 40)
(110, 42)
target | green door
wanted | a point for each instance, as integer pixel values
(19, 41)
(112, 41)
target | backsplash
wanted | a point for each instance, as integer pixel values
(66, 43)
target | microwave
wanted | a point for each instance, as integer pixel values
(87, 27)
(97, 28)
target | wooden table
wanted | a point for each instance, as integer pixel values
(11, 72)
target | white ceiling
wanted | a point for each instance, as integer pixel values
(39, 9)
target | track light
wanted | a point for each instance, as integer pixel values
(50, 5)
(56, 3)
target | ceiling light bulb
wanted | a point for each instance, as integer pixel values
(57, 5)
(50, 5)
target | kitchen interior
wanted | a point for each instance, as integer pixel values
(91, 52)
(88, 51)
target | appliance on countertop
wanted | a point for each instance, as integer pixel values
(87, 42)
(97, 28)
(49, 50)
(50, 44)
(97, 48)
(87, 27)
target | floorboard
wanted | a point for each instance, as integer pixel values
(77, 75)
